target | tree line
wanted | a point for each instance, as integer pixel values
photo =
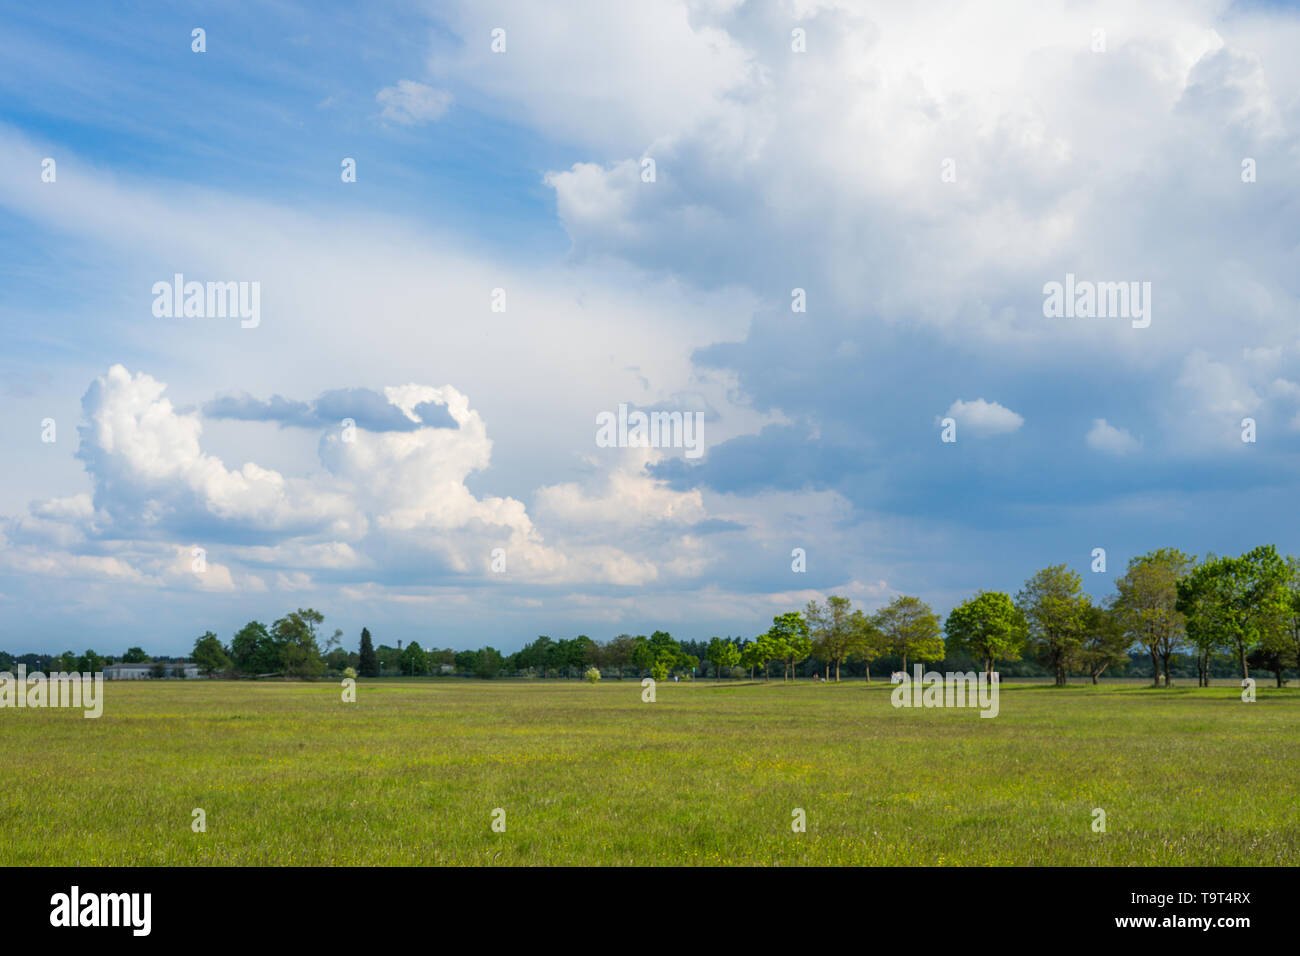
(1243, 609)
(1167, 603)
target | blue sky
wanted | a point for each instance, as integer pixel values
(920, 173)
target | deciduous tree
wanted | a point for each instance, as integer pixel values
(910, 629)
(1245, 599)
(834, 631)
(722, 653)
(1147, 604)
(414, 661)
(252, 651)
(210, 655)
(295, 635)
(989, 627)
(1105, 642)
(618, 653)
(789, 640)
(1054, 606)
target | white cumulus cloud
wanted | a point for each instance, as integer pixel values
(982, 418)
(1105, 437)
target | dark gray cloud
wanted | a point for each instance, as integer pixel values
(780, 457)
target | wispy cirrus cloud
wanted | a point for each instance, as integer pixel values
(412, 104)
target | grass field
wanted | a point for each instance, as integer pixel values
(708, 774)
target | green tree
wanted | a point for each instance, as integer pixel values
(1266, 584)
(1147, 604)
(135, 655)
(368, 664)
(580, 653)
(1289, 629)
(1054, 607)
(660, 648)
(339, 659)
(558, 656)
(1244, 598)
(667, 650)
(835, 632)
(388, 657)
(297, 641)
(989, 627)
(295, 635)
(1198, 603)
(910, 629)
(1105, 643)
(790, 640)
(253, 651)
(768, 651)
(643, 655)
(90, 663)
(537, 655)
(869, 641)
(618, 653)
(488, 663)
(757, 653)
(722, 653)
(210, 655)
(414, 660)
(1270, 657)
(543, 653)
(597, 656)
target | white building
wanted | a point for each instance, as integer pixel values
(145, 671)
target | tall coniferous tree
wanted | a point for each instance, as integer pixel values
(368, 666)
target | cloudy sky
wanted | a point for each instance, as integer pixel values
(920, 171)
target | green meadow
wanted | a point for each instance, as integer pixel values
(708, 774)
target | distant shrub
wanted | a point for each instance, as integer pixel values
(659, 671)
(592, 675)
(350, 672)
(738, 673)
